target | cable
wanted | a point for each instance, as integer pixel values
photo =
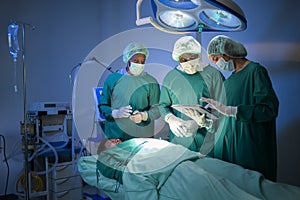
(101, 63)
(45, 151)
(5, 159)
(15, 77)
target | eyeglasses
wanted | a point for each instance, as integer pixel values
(186, 58)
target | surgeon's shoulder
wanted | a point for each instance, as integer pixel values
(113, 77)
(212, 71)
(149, 77)
(173, 73)
(256, 67)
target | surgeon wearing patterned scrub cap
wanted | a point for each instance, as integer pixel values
(248, 137)
(190, 80)
(129, 100)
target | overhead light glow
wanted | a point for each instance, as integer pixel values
(220, 19)
(177, 19)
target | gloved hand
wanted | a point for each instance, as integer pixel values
(198, 118)
(191, 128)
(180, 127)
(138, 116)
(122, 112)
(225, 110)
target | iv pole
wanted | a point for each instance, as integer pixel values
(25, 115)
(26, 167)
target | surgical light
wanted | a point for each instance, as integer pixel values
(185, 16)
(177, 19)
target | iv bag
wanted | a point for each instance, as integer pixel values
(13, 40)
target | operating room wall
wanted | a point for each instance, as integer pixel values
(67, 30)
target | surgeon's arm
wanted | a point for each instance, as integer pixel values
(266, 102)
(144, 118)
(165, 102)
(153, 112)
(105, 98)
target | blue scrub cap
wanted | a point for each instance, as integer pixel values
(185, 44)
(222, 44)
(134, 48)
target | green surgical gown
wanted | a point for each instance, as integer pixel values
(250, 139)
(182, 88)
(141, 92)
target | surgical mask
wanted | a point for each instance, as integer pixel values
(136, 68)
(226, 66)
(192, 66)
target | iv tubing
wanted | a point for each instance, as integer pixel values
(15, 75)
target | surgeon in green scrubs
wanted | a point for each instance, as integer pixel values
(248, 135)
(185, 85)
(129, 101)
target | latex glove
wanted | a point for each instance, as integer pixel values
(198, 118)
(191, 127)
(225, 110)
(122, 112)
(138, 116)
(180, 127)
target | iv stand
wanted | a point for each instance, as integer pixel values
(25, 115)
(25, 111)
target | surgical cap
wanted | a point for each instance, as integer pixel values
(185, 44)
(224, 45)
(132, 49)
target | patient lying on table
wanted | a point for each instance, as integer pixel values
(156, 169)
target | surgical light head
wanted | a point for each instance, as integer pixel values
(222, 44)
(185, 44)
(185, 16)
(134, 48)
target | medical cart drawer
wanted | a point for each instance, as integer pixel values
(75, 194)
(67, 183)
(63, 170)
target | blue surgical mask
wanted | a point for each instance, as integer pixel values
(136, 68)
(226, 66)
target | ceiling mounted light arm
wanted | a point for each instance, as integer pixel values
(149, 20)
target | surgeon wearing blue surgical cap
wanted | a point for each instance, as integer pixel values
(130, 97)
(250, 109)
